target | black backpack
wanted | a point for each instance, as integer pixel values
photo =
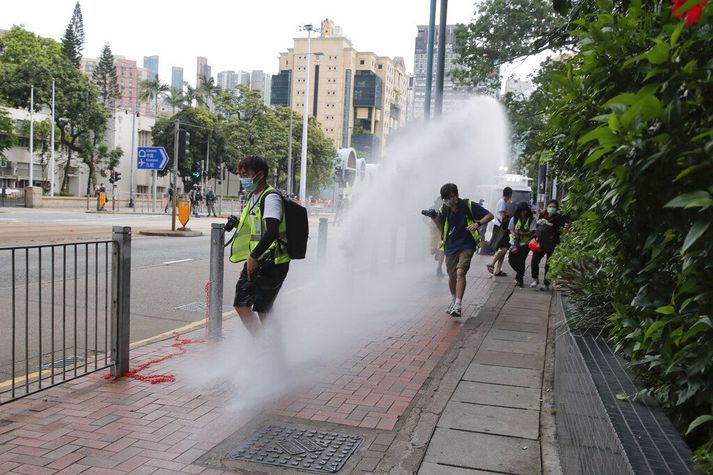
(297, 226)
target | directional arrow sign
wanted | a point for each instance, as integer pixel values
(152, 158)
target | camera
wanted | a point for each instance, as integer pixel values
(232, 222)
(431, 213)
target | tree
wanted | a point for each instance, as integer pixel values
(503, 31)
(152, 90)
(30, 60)
(175, 99)
(7, 132)
(104, 77)
(73, 39)
(206, 93)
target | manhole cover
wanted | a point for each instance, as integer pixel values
(298, 448)
(63, 363)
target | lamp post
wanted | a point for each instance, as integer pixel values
(305, 118)
(289, 142)
(32, 133)
(52, 146)
(134, 113)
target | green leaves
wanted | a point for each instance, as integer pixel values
(699, 421)
(694, 199)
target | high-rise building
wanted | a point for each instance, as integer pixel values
(261, 82)
(151, 63)
(358, 98)
(202, 70)
(242, 77)
(453, 95)
(177, 77)
(127, 75)
(227, 80)
(88, 65)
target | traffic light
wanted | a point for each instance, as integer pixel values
(184, 138)
(196, 170)
(219, 170)
(111, 176)
(117, 176)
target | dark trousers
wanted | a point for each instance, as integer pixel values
(517, 262)
(535, 265)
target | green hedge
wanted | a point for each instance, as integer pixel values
(631, 131)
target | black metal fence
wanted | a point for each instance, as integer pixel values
(60, 312)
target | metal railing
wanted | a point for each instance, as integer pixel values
(63, 312)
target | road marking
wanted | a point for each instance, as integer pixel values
(168, 263)
(20, 380)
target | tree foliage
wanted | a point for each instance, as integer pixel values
(104, 77)
(503, 31)
(7, 132)
(29, 60)
(73, 39)
(153, 90)
(241, 126)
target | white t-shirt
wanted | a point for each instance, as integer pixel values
(500, 208)
(273, 206)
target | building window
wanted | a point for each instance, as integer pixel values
(361, 62)
(381, 66)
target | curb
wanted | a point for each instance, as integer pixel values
(169, 233)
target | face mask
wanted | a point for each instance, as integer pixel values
(450, 202)
(249, 184)
(551, 211)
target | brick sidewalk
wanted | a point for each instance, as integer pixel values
(93, 425)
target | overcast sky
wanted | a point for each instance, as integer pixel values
(237, 34)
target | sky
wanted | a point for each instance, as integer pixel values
(234, 35)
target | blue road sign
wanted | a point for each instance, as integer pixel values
(152, 158)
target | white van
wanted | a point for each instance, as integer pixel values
(491, 194)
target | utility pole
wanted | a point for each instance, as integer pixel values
(52, 146)
(204, 178)
(289, 141)
(441, 66)
(429, 61)
(133, 156)
(305, 121)
(175, 176)
(32, 133)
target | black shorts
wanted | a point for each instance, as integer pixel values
(260, 292)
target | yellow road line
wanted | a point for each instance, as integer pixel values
(20, 380)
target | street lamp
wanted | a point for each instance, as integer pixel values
(303, 158)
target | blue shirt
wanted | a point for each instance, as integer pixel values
(459, 238)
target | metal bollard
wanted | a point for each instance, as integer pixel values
(322, 238)
(217, 264)
(120, 299)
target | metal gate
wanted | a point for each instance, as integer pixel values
(63, 312)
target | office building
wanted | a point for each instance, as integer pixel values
(261, 82)
(202, 70)
(453, 95)
(151, 63)
(177, 77)
(127, 75)
(359, 98)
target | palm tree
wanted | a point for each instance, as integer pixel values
(175, 99)
(190, 93)
(152, 90)
(206, 92)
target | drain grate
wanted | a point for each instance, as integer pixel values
(298, 448)
(63, 363)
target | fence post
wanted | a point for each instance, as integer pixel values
(217, 263)
(322, 238)
(120, 299)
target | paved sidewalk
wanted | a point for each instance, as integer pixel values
(492, 421)
(93, 425)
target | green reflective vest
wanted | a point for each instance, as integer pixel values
(468, 221)
(519, 240)
(250, 231)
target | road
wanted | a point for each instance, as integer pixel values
(168, 283)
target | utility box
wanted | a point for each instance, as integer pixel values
(33, 197)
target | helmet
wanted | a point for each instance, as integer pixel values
(534, 246)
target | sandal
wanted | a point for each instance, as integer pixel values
(500, 274)
(490, 267)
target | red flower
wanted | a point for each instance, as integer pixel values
(693, 15)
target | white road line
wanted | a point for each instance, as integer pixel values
(168, 263)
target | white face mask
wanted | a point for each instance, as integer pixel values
(450, 202)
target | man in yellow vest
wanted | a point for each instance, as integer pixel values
(260, 241)
(459, 222)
